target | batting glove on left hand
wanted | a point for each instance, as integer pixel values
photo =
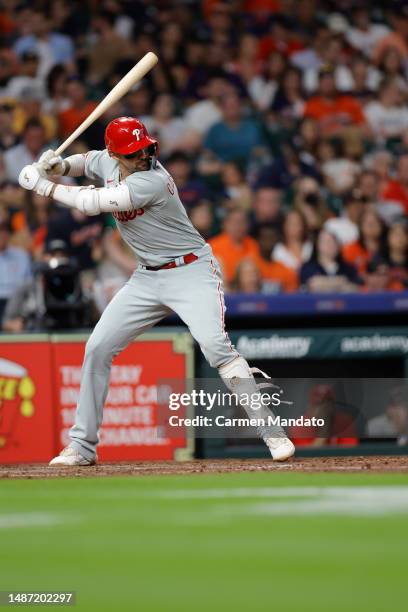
(52, 164)
(30, 178)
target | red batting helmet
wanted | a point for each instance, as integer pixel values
(126, 135)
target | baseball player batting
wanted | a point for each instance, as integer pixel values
(177, 272)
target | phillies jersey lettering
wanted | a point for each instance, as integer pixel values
(163, 230)
(124, 215)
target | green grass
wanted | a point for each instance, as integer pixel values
(132, 544)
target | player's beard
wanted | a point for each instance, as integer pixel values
(129, 166)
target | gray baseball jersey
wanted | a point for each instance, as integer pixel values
(157, 227)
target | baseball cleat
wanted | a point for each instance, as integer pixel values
(281, 448)
(71, 457)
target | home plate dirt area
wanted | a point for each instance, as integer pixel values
(378, 464)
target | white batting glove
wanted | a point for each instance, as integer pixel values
(52, 164)
(30, 178)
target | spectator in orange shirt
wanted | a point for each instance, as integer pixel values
(397, 190)
(371, 242)
(275, 274)
(234, 244)
(30, 225)
(333, 111)
(79, 109)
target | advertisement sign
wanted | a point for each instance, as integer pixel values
(39, 385)
(130, 423)
(27, 423)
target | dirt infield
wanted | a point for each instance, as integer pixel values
(381, 464)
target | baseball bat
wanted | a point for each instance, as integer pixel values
(134, 75)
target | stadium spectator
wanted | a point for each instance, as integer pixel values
(108, 48)
(284, 170)
(326, 271)
(234, 137)
(295, 247)
(279, 38)
(339, 171)
(234, 244)
(393, 423)
(289, 100)
(30, 224)
(267, 206)
(57, 100)
(276, 276)
(262, 87)
(387, 117)
(138, 100)
(332, 110)
(165, 126)
(307, 141)
(191, 189)
(80, 233)
(15, 266)
(8, 136)
(339, 424)
(397, 251)
(392, 66)
(26, 79)
(364, 34)
(248, 277)
(397, 17)
(236, 191)
(379, 276)
(332, 54)
(203, 114)
(368, 186)
(360, 80)
(51, 47)
(371, 241)
(202, 217)
(79, 109)
(246, 65)
(308, 200)
(27, 152)
(345, 226)
(397, 189)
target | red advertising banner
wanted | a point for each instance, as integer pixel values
(27, 421)
(129, 430)
(39, 386)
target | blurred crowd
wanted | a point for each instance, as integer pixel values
(283, 122)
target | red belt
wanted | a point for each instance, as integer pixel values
(180, 261)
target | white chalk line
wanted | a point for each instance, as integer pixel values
(33, 519)
(294, 501)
